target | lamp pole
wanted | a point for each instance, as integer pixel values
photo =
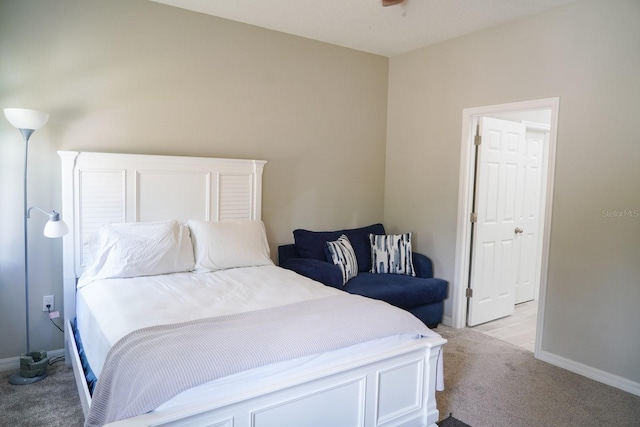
(26, 134)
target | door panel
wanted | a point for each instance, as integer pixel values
(500, 203)
(529, 218)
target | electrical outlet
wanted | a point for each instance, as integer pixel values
(47, 300)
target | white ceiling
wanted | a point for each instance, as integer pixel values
(367, 26)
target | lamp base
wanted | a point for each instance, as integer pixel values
(17, 379)
(33, 368)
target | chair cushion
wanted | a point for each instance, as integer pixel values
(397, 289)
(311, 244)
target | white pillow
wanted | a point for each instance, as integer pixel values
(139, 249)
(229, 244)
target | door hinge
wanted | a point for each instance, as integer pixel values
(473, 217)
(477, 140)
(469, 293)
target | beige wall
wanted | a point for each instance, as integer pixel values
(141, 77)
(588, 54)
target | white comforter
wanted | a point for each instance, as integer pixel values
(107, 310)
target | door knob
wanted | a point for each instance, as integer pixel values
(519, 230)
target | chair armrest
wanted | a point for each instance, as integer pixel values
(321, 271)
(286, 252)
(422, 265)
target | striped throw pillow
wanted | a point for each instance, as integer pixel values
(342, 254)
(391, 254)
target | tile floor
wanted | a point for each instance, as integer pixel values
(518, 329)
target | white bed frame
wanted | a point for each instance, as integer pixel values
(393, 387)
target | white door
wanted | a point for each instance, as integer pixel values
(528, 211)
(497, 230)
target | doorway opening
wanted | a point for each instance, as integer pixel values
(501, 253)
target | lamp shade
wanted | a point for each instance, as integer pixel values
(23, 118)
(54, 229)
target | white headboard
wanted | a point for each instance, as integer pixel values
(102, 188)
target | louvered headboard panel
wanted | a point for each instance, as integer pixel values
(101, 188)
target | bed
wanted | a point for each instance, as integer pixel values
(271, 348)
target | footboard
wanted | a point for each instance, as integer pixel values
(390, 388)
(395, 389)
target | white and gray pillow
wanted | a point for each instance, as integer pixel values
(341, 253)
(391, 254)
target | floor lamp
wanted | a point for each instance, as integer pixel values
(33, 365)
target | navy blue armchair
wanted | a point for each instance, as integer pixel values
(422, 294)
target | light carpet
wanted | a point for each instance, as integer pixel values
(489, 382)
(52, 402)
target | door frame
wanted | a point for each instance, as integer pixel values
(465, 193)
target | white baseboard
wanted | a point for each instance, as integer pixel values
(590, 372)
(13, 363)
(446, 321)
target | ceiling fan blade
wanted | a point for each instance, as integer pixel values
(390, 2)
